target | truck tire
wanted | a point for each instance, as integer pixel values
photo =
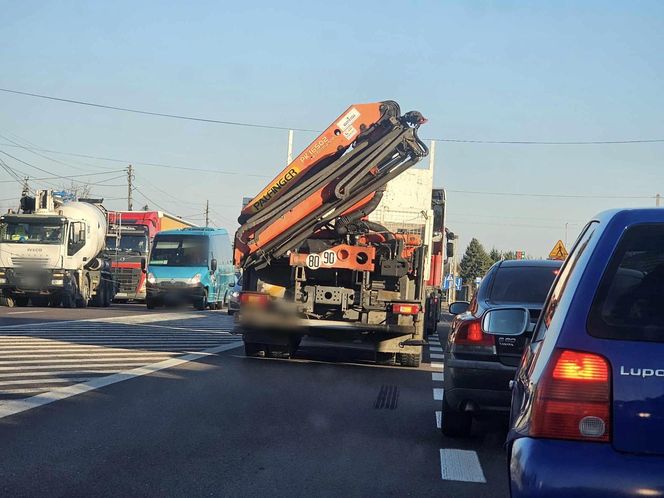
(108, 295)
(150, 303)
(386, 358)
(55, 301)
(68, 299)
(409, 360)
(455, 423)
(84, 295)
(254, 349)
(201, 304)
(21, 301)
(98, 300)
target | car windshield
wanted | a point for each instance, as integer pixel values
(522, 284)
(31, 233)
(628, 304)
(128, 243)
(179, 250)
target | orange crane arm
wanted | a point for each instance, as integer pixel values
(337, 175)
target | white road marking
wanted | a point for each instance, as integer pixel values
(438, 366)
(13, 407)
(436, 349)
(437, 376)
(460, 465)
(129, 320)
(29, 390)
(87, 366)
(439, 418)
(89, 370)
(43, 381)
(436, 356)
(438, 394)
(25, 312)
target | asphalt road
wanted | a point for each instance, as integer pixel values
(126, 402)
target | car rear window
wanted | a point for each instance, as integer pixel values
(629, 304)
(522, 284)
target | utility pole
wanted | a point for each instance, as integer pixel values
(207, 213)
(658, 200)
(26, 187)
(566, 227)
(130, 187)
(290, 146)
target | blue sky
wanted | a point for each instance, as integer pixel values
(551, 71)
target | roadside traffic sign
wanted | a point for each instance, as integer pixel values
(448, 282)
(458, 282)
(558, 252)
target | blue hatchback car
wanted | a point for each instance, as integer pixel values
(587, 415)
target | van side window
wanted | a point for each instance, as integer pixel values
(560, 284)
(628, 304)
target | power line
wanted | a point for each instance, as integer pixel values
(288, 128)
(152, 113)
(563, 196)
(158, 165)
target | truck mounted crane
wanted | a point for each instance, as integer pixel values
(313, 264)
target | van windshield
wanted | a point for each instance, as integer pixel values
(629, 302)
(179, 250)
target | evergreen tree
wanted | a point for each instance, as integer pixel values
(475, 262)
(509, 255)
(495, 255)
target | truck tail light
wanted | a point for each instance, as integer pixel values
(405, 309)
(254, 299)
(470, 333)
(573, 398)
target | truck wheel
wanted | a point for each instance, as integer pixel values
(455, 423)
(55, 300)
(68, 300)
(150, 303)
(21, 301)
(409, 360)
(254, 349)
(201, 304)
(386, 358)
(108, 295)
(8, 301)
(84, 295)
(100, 296)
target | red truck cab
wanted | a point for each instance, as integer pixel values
(129, 240)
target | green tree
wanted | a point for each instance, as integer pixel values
(475, 262)
(495, 255)
(509, 255)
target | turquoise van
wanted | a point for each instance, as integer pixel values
(190, 265)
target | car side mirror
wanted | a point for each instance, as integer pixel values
(144, 264)
(506, 321)
(459, 307)
(213, 265)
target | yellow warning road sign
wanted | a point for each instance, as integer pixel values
(558, 252)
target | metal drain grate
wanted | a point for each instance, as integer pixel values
(388, 396)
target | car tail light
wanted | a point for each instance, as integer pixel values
(573, 398)
(405, 309)
(254, 299)
(470, 333)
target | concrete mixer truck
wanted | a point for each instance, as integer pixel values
(51, 253)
